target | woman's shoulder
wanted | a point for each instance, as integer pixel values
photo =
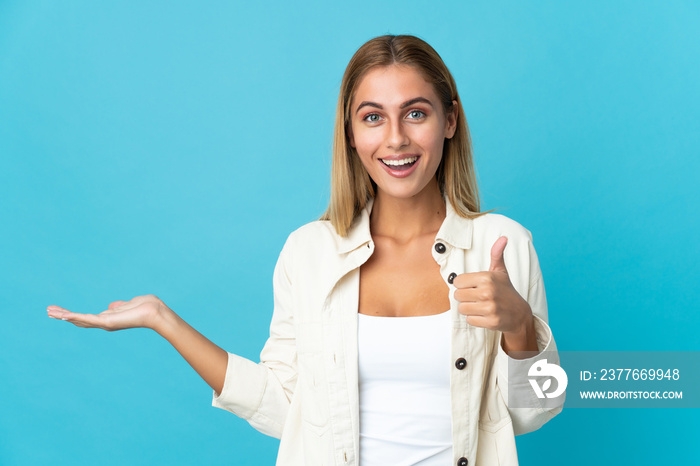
(318, 229)
(318, 235)
(495, 225)
(313, 250)
(519, 255)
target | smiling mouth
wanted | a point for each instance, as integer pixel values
(400, 164)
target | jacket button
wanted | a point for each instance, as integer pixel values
(461, 363)
(440, 248)
(451, 278)
(462, 461)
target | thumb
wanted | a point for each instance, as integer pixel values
(114, 304)
(497, 262)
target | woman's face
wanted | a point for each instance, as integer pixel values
(398, 127)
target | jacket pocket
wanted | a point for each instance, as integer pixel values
(312, 379)
(494, 412)
(494, 426)
(496, 444)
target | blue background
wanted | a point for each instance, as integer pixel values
(170, 148)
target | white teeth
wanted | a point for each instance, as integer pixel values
(400, 162)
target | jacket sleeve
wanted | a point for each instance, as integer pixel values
(528, 412)
(261, 393)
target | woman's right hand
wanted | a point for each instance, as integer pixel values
(149, 311)
(142, 311)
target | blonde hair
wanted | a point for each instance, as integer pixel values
(351, 185)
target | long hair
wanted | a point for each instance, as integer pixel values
(351, 185)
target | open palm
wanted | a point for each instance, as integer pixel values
(141, 311)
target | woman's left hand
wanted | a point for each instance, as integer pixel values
(489, 300)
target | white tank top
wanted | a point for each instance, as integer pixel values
(404, 376)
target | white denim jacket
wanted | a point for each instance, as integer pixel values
(305, 389)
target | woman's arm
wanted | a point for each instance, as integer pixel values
(207, 359)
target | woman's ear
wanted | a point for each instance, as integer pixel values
(451, 120)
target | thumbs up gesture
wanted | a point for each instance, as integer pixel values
(489, 300)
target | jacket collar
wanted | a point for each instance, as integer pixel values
(455, 230)
(358, 234)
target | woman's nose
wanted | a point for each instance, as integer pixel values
(397, 136)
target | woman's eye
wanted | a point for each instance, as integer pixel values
(416, 114)
(372, 118)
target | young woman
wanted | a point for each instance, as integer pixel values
(400, 315)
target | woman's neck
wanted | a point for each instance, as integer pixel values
(405, 219)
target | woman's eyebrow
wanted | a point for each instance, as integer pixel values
(408, 103)
(368, 104)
